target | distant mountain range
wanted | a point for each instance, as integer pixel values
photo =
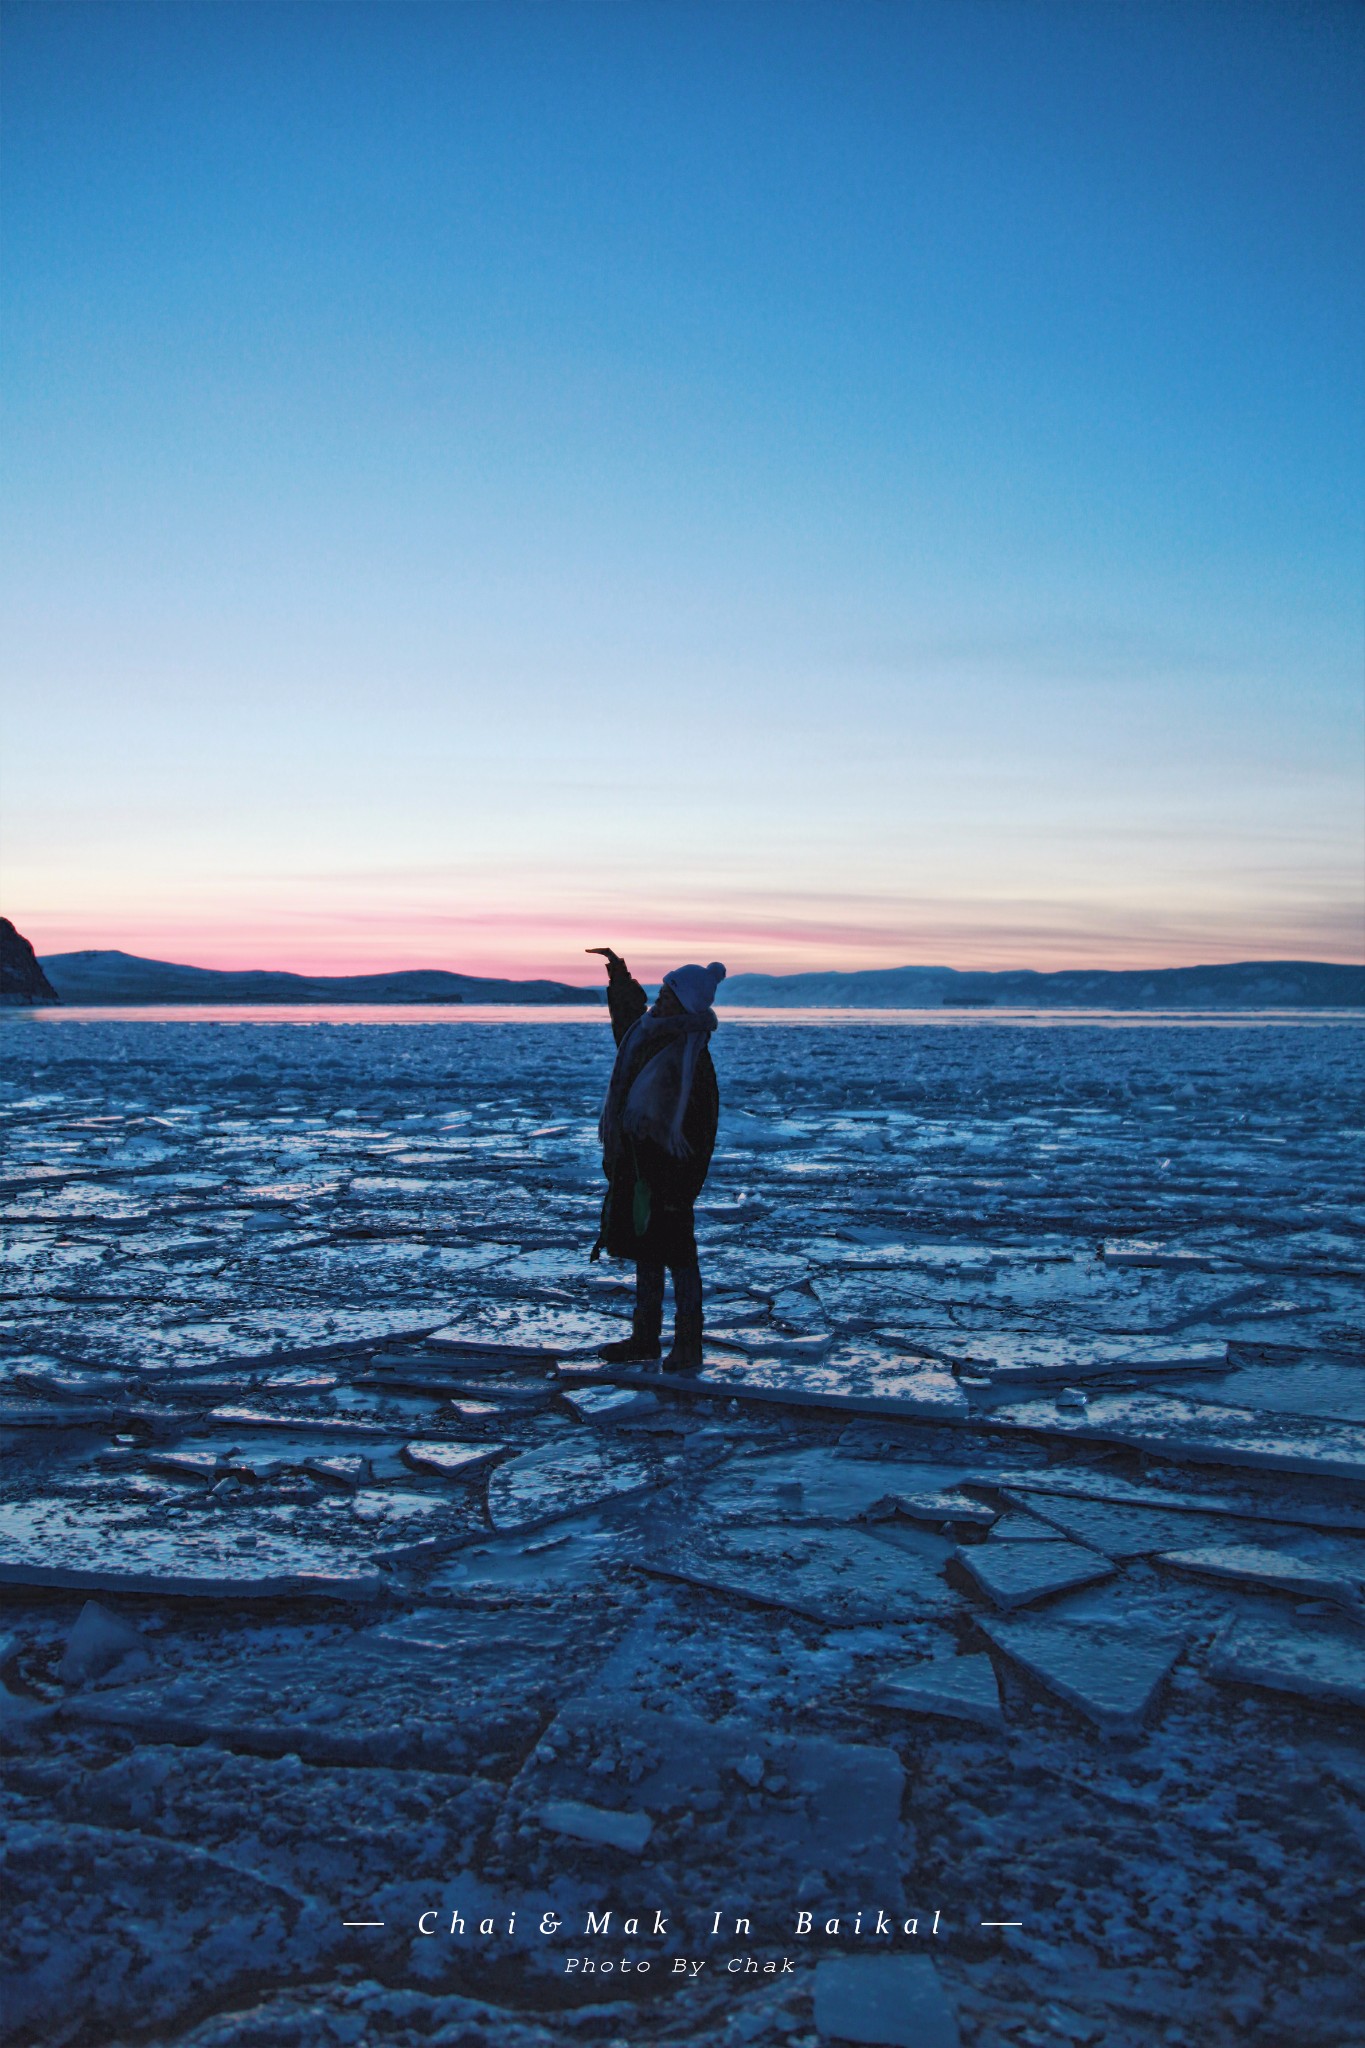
(1242, 985)
(112, 977)
(93, 977)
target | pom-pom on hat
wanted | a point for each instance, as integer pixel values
(695, 987)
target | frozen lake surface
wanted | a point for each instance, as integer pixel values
(1006, 1561)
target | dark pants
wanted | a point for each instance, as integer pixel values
(670, 1241)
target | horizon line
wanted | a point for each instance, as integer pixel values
(352, 973)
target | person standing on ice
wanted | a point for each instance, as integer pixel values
(658, 1131)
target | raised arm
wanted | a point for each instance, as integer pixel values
(626, 1000)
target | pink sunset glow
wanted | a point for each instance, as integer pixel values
(532, 944)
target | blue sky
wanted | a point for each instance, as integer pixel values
(825, 484)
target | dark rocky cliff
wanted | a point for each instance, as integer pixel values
(21, 978)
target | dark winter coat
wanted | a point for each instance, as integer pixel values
(673, 1184)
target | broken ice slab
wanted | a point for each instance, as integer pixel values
(1111, 1673)
(561, 1479)
(886, 2001)
(289, 1337)
(776, 1344)
(1018, 1574)
(597, 1824)
(744, 1128)
(957, 1688)
(841, 1577)
(1147, 1252)
(1120, 1531)
(467, 1346)
(449, 1460)
(255, 1453)
(180, 1714)
(1322, 1663)
(102, 1646)
(206, 1466)
(233, 1417)
(428, 1691)
(609, 1404)
(521, 1396)
(799, 1312)
(859, 1248)
(277, 1458)
(1015, 1357)
(79, 1547)
(557, 1264)
(339, 1471)
(19, 1713)
(296, 1379)
(1202, 1432)
(1328, 1387)
(576, 1558)
(531, 1329)
(828, 1485)
(421, 1368)
(1023, 1528)
(933, 1509)
(1259, 1569)
(1090, 1482)
(861, 1381)
(51, 1381)
(740, 1206)
(30, 1413)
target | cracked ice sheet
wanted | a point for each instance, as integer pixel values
(432, 1691)
(1059, 1111)
(273, 1453)
(112, 1549)
(841, 1577)
(1014, 1357)
(1127, 1532)
(1206, 1432)
(553, 1330)
(856, 1381)
(953, 1688)
(1322, 1662)
(1109, 1673)
(822, 1485)
(1214, 1497)
(969, 1301)
(263, 1337)
(1331, 1388)
(722, 1797)
(574, 1558)
(608, 1405)
(1257, 1568)
(563, 1478)
(1019, 1574)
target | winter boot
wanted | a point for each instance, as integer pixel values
(686, 1353)
(646, 1328)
